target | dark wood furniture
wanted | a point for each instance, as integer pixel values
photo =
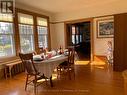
(67, 66)
(33, 77)
(120, 42)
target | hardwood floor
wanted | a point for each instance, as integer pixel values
(96, 78)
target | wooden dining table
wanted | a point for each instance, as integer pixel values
(47, 66)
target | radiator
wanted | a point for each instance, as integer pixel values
(16, 69)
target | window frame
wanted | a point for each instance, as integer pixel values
(47, 34)
(13, 38)
(16, 31)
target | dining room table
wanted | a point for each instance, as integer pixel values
(46, 67)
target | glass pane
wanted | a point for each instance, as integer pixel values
(6, 45)
(25, 29)
(42, 37)
(27, 43)
(77, 40)
(73, 29)
(42, 30)
(25, 19)
(26, 38)
(6, 17)
(77, 30)
(41, 21)
(80, 38)
(6, 28)
(73, 39)
(42, 40)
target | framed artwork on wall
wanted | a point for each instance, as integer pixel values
(105, 28)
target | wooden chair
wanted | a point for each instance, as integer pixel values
(67, 66)
(33, 77)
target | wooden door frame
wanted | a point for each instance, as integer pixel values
(91, 33)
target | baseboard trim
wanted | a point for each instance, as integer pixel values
(102, 57)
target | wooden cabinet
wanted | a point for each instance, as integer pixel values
(120, 42)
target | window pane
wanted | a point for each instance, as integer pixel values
(25, 19)
(26, 38)
(26, 42)
(26, 32)
(6, 17)
(80, 38)
(73, 29)
(77, 40)
(42, 30)
(26, 29)
(42, 37)
(42, 21)
(6, 28)
(73, 39)
(6, 39)
(43, 41)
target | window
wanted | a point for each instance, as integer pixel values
(42, 32)
(73, 34)
(80, 38)
(77, 36)
(26, 32)
(7, 45)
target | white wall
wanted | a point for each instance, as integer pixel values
(29, 8)
(94, 10)
(100, 44)
(57, 35)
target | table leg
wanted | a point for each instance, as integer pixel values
(10, 67)
(5, 72)
(51, 83)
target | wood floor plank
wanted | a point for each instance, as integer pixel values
(90, 79)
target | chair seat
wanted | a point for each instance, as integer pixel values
(65, 63)
(40, 79)
(67, 66)
(33, 77)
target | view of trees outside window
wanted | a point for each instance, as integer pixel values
(42, 37)
(7, 47)
(42, 32)
(26, 33)
(26, 38)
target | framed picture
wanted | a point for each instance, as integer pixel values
(105, 28)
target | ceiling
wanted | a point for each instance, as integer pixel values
(60, 6)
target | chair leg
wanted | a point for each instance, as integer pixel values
(69, 73)
(26, 82)
(35, 83)
(74, 73)
(35, 88)
(46, 81)
(5, 70)
(59, 72)
(51, 83)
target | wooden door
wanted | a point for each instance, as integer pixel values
(120, 42)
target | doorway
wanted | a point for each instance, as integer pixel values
(79, 35)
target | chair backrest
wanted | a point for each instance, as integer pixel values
(71, 56)
(27, 60)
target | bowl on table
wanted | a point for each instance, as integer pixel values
(38, 58)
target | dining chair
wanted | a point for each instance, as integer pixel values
(67, 66)
(33, 77)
